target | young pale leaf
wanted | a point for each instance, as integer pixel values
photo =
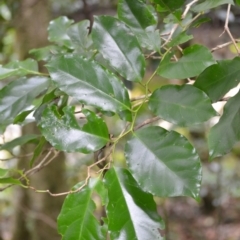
(9, 180)
(19, 141)
(142, 20)
(3, 172)
(132, 213)
(219, 78)
(182, 105)
(57, 31)
(19, 68)
(89, 83)
(18, 95)
(194, 60)
(208, 4)
(118, 45)
(65, 134)
(164, 163)
(226, 132)
(76, 219)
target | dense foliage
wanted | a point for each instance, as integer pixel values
(86, 67)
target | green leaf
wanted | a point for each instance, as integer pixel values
(9, 180)
(132, 213)
(182, 105)
(142, 20)
(38, 150)
(237, 2)
(226, 132)
(89, 83)
(164, 163)
(169, 5)
(45, 53)
(19, 68)
(180, 39)
(194, 60)
(19, 141)
(219, 78)
(78, 34)
(118, 45)
(76, 219)
(22, 116)
(64, 133)
(18, 95)
(3, 172)
(136, 14)
(208, 4)
(57, 31)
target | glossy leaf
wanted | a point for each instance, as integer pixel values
(132, 213)
(89, 83)
(182, 105)
(164, 163)
(219, 78)
(142, 20)
(9, 180)
(18, 95)
(64, 133)
(226, 132)
(118, 45)
(194, 60)
(19, 141)
(57, 31)
(208, 4)
(19, 68)
(76, 219)
(78, 34)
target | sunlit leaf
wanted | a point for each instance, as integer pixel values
(219, 78)
(164, 163)
(182, 105)
(226, 132)
(118, 45)
(132, 213)
(76, 219)
(64, 132)
(89, 83)
(57, 31)
(169, 5)
(19, 141)
(194, 60)
(18, 95)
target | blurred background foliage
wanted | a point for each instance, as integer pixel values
(217, 215)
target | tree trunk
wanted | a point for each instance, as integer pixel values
(36, 213)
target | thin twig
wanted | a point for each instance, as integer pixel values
(78, 189)
(188, 6)
(148, 121)
(140, 97)
(226, 29)
(224, 45)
